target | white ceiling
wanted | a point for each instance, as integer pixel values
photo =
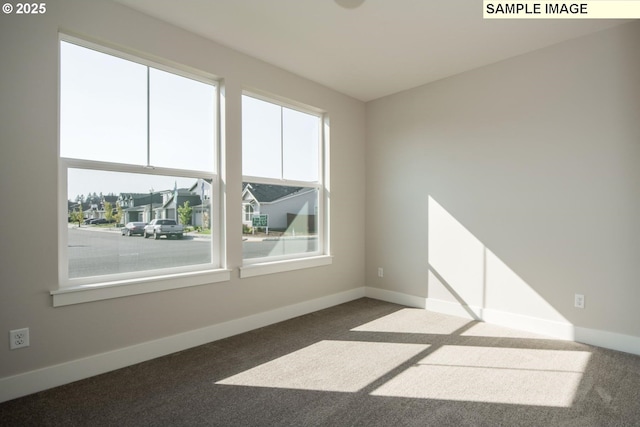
(379, 48)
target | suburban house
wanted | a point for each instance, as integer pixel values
(164, 203)
(480, 172)
(172, 200)
(93, 206)
(287, 208)
(201, 214)
(136, 207)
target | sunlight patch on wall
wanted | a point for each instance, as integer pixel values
(456, 255)
(506, 291)
(414, 321)
(462, 270)
(338, 366)
(493, 375)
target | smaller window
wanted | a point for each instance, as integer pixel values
(283, 183)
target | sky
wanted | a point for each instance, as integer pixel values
(85, 181)
(103, 117)
(119, 111)
(278, 142)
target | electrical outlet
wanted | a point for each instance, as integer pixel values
(579, 301)
(380, 272)
(18, 338)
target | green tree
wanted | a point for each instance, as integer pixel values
(185, 212)
(108, 211)
(77, 215)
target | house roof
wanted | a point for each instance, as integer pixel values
(140, 199)
(133, 195)
(193, 199)
(265, 193)
(195, 184)
(110, 198)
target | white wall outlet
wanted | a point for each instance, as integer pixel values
(18, 338)
(380, 272)
(579, 301)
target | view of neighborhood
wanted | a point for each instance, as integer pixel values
(277, 220)
(188, 206)
(290, 210)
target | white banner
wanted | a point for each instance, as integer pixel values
(589, 9)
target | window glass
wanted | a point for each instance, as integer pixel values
(300, 142)
(101, 223)
(181, 122)
(284, 224)
(115, 116)
(103, 107)
(261, 138)
(282, 192)
(278, 142)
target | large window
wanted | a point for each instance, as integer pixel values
(138, 143)
(283, 191)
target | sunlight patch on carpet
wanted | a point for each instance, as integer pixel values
(414, 321)
(339, 366)
(489, 330)
(493, 375)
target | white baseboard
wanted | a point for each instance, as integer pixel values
(395, 297)
(64, 373)
(559, 330)
(550, 328)
(454, 309)
(611, 340)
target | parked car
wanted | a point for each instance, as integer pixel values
(133, 228)
(95, 221)
(163, 227)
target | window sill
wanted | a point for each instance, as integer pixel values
(102, 291)
(285, 265)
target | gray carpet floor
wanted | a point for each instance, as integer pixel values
(363, 363)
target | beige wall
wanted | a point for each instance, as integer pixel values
(28, 138)
(514, 186)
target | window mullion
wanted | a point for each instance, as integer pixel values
(281, 143)
(283, 182)
(129, 168)
(148, 118)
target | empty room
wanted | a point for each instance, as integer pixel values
(319, 212)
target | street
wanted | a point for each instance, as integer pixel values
(97, 252)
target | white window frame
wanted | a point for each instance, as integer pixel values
(321, 257)
(85, 289)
